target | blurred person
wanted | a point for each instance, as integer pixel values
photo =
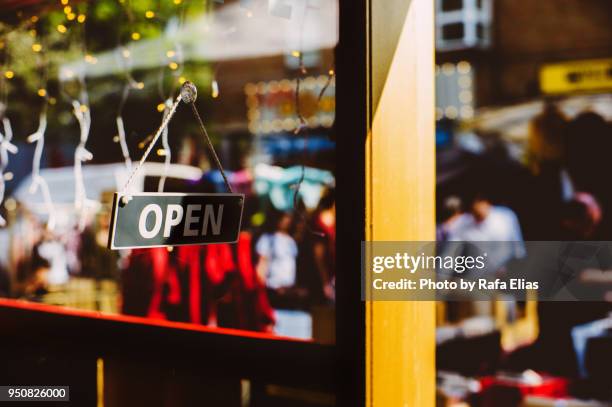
(277, 269)
(581, 217)
(277, 252)
(546, 139)
(491, 223)
(324, 248)
(451, 214)
(549, 184)
(588, 150)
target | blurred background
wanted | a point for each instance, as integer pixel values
(523, 135)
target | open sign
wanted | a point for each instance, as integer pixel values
(173, 219)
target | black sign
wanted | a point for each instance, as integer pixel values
(172, 219)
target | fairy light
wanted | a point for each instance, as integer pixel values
(34, 19)
(81, 18)
(149, 14)
(296, 54)
(61, 28)
(161, 107)
(136, 36)
(67, 10)
(36, 47)
(140, 85)
(173, 66)
(177, 2)
(161, 152)
(90, 59)
(170, 53)
(182, 80)
(71, 16)
(125, 53)
(42, 92)
(214, 89)
(64, 2)
(9, 74)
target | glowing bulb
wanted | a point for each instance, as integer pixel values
(177, 2)
(173, 66)
(9, 74)
(8, 176)
(140, 85)
(116, 139)
(296, 54)
(83, 108)
(182, 80)
(125, 53)
(42, 92)
(64, 2)
(52, 101)
(215, 89)
(161, 107)
(91, 59)
(149, 14)
(67, 10)
(161, 152)
(71, 16)
(34, 19)
(170, 53)
(36, 47)
(81, 18)
(135, 36)
(62, 28)
(331, 72)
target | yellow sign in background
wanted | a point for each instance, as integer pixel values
(577, 76)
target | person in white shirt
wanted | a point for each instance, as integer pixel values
(491, 223)
(277, 252)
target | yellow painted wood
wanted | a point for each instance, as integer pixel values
(400, 343)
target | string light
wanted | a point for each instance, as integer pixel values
(36, 47)
(67, 10)
(173, 66)
(9, 74)
(91, 59)
(149, 14)
(42, 92)
(214, 89)
(34, 19)
(182, 80)
(170, 53)
(71, 16)
(161, 107)
(140, 85)
(136, 36)
(61, 28)
(296, 54)
(177, 2)
(125, 53)
(81, 18)
(64, 2)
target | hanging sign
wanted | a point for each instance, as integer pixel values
(174, 219)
